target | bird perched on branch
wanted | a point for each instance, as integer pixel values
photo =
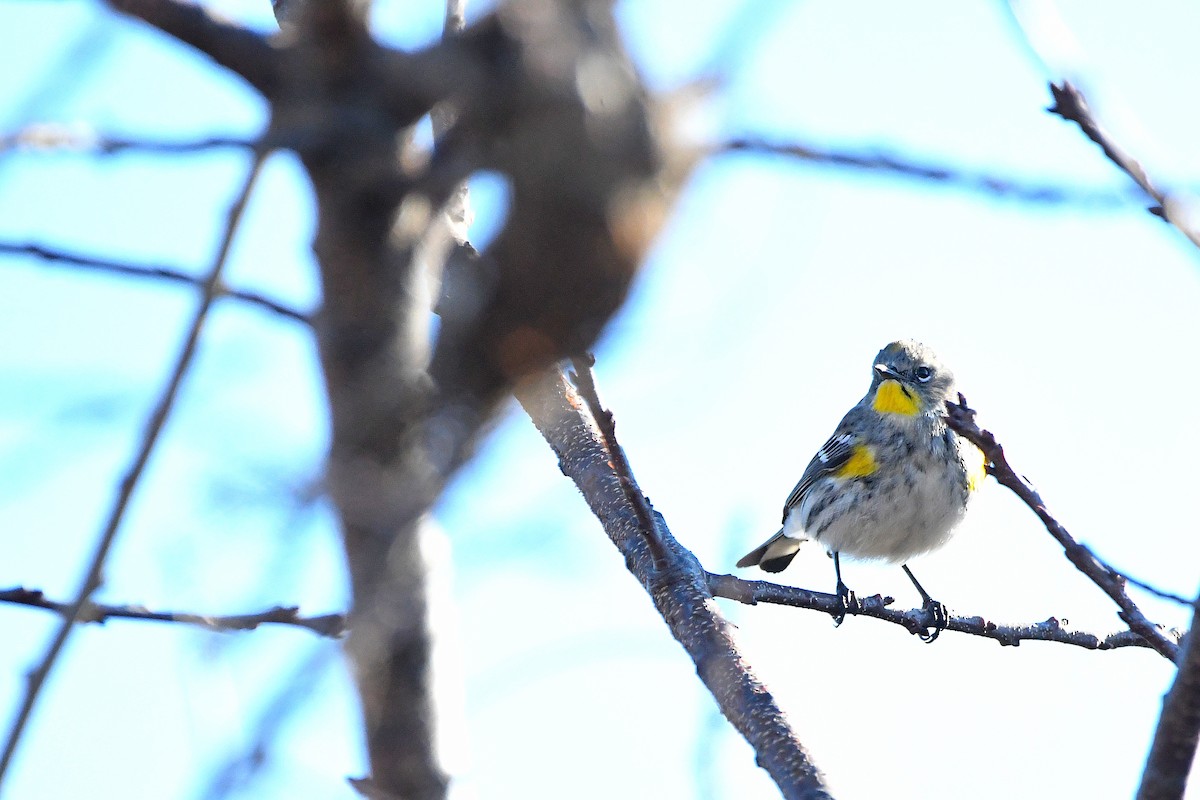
(891, 483)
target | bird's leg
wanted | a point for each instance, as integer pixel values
(846, 598)
(940, 616)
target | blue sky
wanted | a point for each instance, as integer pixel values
(1073, 331)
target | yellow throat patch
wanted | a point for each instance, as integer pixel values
(892, 398)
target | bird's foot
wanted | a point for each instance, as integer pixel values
(847, 602)
(941, 618)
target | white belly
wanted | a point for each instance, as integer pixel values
(892, 521)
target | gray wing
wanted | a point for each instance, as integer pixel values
(832, 455)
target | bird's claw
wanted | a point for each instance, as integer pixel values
(847, 602)
(941, 618)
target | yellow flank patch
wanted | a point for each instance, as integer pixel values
(860, 464)
(893, 398)
(976, 469)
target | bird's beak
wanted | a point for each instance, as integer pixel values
(887, 373)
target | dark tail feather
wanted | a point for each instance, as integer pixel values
(779, 563)
(754, 557)
(773, 555)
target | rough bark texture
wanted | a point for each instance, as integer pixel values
(679, 590)
(1175, 739)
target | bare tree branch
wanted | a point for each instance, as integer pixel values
(1174, 748)
(585, 386)
(329, 625)
(169, 274)
(49, 136)
(81, 139)
(906, 167)
(1161, 594)
(94, 573)
(572, 135)
(919, 620)
(1071, 105)
(961, 419)
(679, 591)
(239, 50)
(404, 418)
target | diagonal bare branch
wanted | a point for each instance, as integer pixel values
(961, 419)
(94, 573)
(1071, 105)
(585, 387)
(680, 590)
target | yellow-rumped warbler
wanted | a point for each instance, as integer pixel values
(891, 483)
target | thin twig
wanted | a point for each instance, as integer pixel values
(1038, 32)
(961, 419)
(55, 256)
(906, 167)
(581, 377)
(58, 137)
(1178, 730)
(1071, 105)
(918, 620)
(1162, 594)
(329, 625)
(93, 575)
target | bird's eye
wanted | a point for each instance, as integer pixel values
(923, 374)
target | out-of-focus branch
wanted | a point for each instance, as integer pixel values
(919, 620)
(543, 93)
(679, 590)
(51, 137)
(395, 441)
(1071, 105)
(174, 275)
(405, 84)
(961, 419)
(331, 625)
(1175, 738)
(237, 49)
(552, 292)
(55, 137)
(907, 167)
(94, 572)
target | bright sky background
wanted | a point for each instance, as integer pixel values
(1073, 330)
